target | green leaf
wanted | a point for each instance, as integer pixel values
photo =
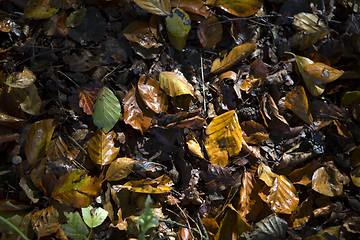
(75, 227)
(107, 110)
(147, 219)
(40, 9)
(349, 98)
(94, 218)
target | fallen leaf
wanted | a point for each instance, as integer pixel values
(150, 92)
(271, 227)
(158, 7)
(240, 8)
(178, 25)
(119, 169)
(349, 98)
(158, 185)
(255, 133)
(210, 32)
(302, 213)
(142, 33)
(10, 119)
(303, 175)
(264, 172)
(321, 73)
(21, 79)
(94, 217)
(194, 145)
(28, 98)
(75, 226)
(175, 84)
(45, 222)
(39, 9)
(87, 98)
(193, 6)
(297, 102)
(328, 181)
(102, 149)
(247, 186)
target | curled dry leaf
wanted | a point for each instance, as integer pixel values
(328, 181)
(237, 54)
(152, 95)
(228, 75)
(255, 133)
(240, 8)
(224, 138)
(194, 146)
(158, 185)
(21, 79)
(297, 102)
(264, 172)
(210, 32)
(247, 186)
(38, 139)
(175, 84)
(303, 175)
(142, 33)
(119, 169)
(251, 83)
(102, 149)
(157, 7)
(45, 222)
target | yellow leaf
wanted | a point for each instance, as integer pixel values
(158, 185)
(240, 8)
(158, 7)
(237, 54)
(266, 174)
(321, 73)
(39, 9)
(175, 84)
(193, 145)
(328, 181)
(102, 149)
(119, 169)
(224, 138)
(297, 102)
(21, 79)
(308, 23)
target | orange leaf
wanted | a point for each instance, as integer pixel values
(119, 169)
(87, 98)
(141, 33)
(328, 181)
(102, 148)
(302, 213)
(76, 189)
(237, 54)
(283, 197)
(210, 32)
(321, 73)
(224, 138)
(194, 146)
(266, 174)
(297, 102)
(303, 175)
(175, 84)
(247, 185)
(158, 185)
(255, 133)
(251, 83)
(45, 222)
(152, 95)
(193, 6)
(240, 8)
(133, 114)
(38, 139)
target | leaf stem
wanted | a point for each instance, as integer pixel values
(14, 227)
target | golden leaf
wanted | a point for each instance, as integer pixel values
(102, 149)
(158, 185)
(297, 102)
(175, 84)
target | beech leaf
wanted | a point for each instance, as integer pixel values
(157, 7)
(178, 25)
(328, 181)
(175, 84)
(297, 102)
(119, 169)
(152, 95)
(102, 149)
(240, 8)
(158, 185)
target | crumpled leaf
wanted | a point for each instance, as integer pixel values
(76, 189)
(39, 9)
(224, 138)
(119, 169)
(142, 33)
(328, 181)
(194, 145)
(152, 95)
(45, 222)
(255, 133)
(94, 218)
(21, 79)
(178, 25)
(158, 185)
(297, 102)
(264, 172)
(107, 110)
(240, 8)
(209, 32)
(157, 7)
(175, 84)
(38, 139)
(102, 149)
(75, 226)
(237, 54)
(87, 98)
(28, 98)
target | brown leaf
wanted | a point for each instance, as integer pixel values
(328, 181)
(102, 149)
(302, 213)
(45, 222)
(237, 54)
(28, 98)
(321, 73)
(255, 133)
(193, 6)
(297, 102)
(158, 7)
(240, 8)
(251, 83)
(159, 185)
(21, 79)
(224, 138)
(142, 33)
(303, 175)
(247, 186)
(210, 32)
(152, 95)
(119, 169)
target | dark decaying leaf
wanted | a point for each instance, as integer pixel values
(141, 33)
(297, 102)
(254, 132)
(210, 32)
(45, 222)
(193, 6)
(40, 9)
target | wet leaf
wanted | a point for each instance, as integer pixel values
(210, 32)
(308, 22)
(102, 149)
(6, 24)
(302, 213)
(193, 6)
(45, 222)
(133, 114)
(21, 79)
(107, 110)
(250, 83)
(282, 197)
(141, 33)
(350, 97)
(303, 175)
(87, 98)
(38, 139)
(240, 8)
(40, 9)
(255, 133)
(237, 54)
(119, 169)
(158, 185)
(328, 181)
(175, 84)
(297, 102)
(76, 189)
(355, 176)
(224, 138)
(178, 25)
(94, 218)
(321, 73)
(264, 172)
(247, 186)
(158, 7)
(194, 146)
(28, 98)
(75, 226)
(302, 41)
(10, 119)
(152, 95)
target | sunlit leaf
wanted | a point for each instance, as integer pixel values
(193, 6)
(328, 181)
(308, 22)
(194, 146)
(28, 98)
(247, 185)
(240, 8)
(38, 139)
(350, 97)
(119, 169)
(283, 197)
(133, 114)
(264, 172)
(87, 98)
(210, 225)
(237, 54)
(152, 95)
(40, 9)
(255, 133)
(297, 102)
(102, 149)
(76, 189)
(142, 33)
(158, 7)
(158, 185)
(178, 25)
(302, 213)
(21, 79)
(45, 222)
(303, 41)
(321, 73)
(75, 226)
(10, 119)
(303, 175)
(94, 218)
(175, 84)
(250, 83)
(224, 138)
(210, 32)
(107, 110)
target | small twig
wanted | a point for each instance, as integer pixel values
(77, 144)
(171, 222)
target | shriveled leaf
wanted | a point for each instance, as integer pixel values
(178, 25)
(76, 189)
(237, 54)
(350, 97)
(58, 149)
(193, 6)
(158, 185)
(45, 222)
(21, 79)
(157, 7)
(250, 83)
(28, 98)
(107, 110)
(321, 73)
(297, 102)
(240, 8)
(194, 146)
(328, 181)
(283, 197)
(75, 226)
(102, 149)
(10, 119)
(303, 175)
(255, 133)
(264, 172)
(142, 33)
(175, 84)
(152, 95)
(40, 9)
(94, 218)
(210, 32)
(87, 98)
(38, 139)
(119, 169)
(133, 114)
(224, 138)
